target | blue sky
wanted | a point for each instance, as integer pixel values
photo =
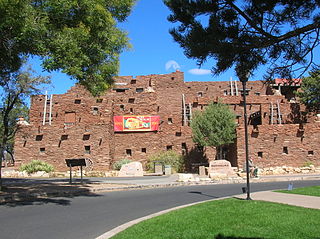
(153, 50)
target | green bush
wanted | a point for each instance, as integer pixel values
(169, 157)
(117, 165)
(35, 166)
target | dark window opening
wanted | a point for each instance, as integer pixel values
(285, 150)
(77, 101)
(310, 152)
(87, 149)
(143, 150)
(86, 137)
(131, 100)
(139, 90)
(39, 137)
(128, 152)
(260, 154)
(99, 100)
(122, 107)
(131, 110)
(183, 145)
(200, 94)
(170, 121)
(79, 119)
(133, 81)
(195, 104)
(120, 90)
(169, 147)
(178, 134)
(225, 92)
(42, 150)
(95, 110)
(158, 108)
(57, 115)
(257, 93)
(64, 137)
(172, 78)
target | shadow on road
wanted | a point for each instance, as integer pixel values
(200, 193)
(22, 192)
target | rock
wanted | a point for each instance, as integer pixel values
(40, 174)
(133, 169)
(222, 167)
(186, 177)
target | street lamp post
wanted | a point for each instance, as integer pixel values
(244, 80)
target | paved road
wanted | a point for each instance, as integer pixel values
(90, 216)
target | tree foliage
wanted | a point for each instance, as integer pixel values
(247, 34)
(81, 38)
(310, 90)
(215, 126)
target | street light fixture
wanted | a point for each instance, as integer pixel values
(244, 79)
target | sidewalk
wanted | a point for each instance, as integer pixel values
(31, 189)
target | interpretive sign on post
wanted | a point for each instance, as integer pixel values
(74, 163)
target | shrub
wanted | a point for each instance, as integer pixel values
(117, 165)
(167, 158)
(35, 166)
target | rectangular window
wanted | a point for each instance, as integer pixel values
(285, 150)
(86, 137)
(170, 121)
(131, 100)
(178, 134)
(77, 101)
(39, 137)
(95, 110)
(131, 110)
(143, 150)
(200, 94)
(87, 149)
(169, 147)
(122, 107)
(260, 154)
(42, 150)
(99, 100)
(128, 152)
(133, 81)
(64, 137)
(310, 152)
(139, 90)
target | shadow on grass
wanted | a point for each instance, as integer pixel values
(203, 194)
(221, 236)
(24, 192)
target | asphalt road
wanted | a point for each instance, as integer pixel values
(90, 216)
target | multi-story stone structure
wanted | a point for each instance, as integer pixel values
(76, 124)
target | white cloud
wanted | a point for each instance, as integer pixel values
(197, 71)
(172, 64)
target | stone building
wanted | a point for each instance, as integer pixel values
(76, 124)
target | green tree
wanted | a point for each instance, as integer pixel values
(214, 127)
(310, 90)
(16, 88)
(81, 38)
(247, 34)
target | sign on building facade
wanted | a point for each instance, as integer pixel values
(136, 123)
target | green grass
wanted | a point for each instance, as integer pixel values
(310, 191)
(230, 219)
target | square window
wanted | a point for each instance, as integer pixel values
(64, 137)
(169, 147)
(139, 90)
(200, 94)
(86, 137)
(131, 100)
(42, 150)
(77, 101)
(183, 145)
(87, 149)
(133, 81)
(128, 152)
(122, 107)
(99, 100)
(131, 110)
(310, 152)
(170, 121)
(143, 150)
(95, 110)
(260, 154)
(39, 137)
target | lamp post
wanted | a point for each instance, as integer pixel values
(244, 79)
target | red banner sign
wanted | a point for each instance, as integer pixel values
(136, 123)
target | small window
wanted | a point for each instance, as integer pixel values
(260, 154)
(120, 90)
(122, 107)
(225, 92)
(139, 90)
(158, 108)
(170, 121)
(42, 150)
(131, 100)
(64, 137)
(86, 137)
(169, 147)
(39, 137)
(257, 93)
(87, 149)
(133, 81)
(131, 110)
(172, 78)
(95, 110)
(128, 152)
(310, 152)
(178, 134)
(143, 150)
(99, 100)
(77, 101)
(200, 94)
(183, 145)
(285, 150)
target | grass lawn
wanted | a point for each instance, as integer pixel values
(310, 191)
(230, 219)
